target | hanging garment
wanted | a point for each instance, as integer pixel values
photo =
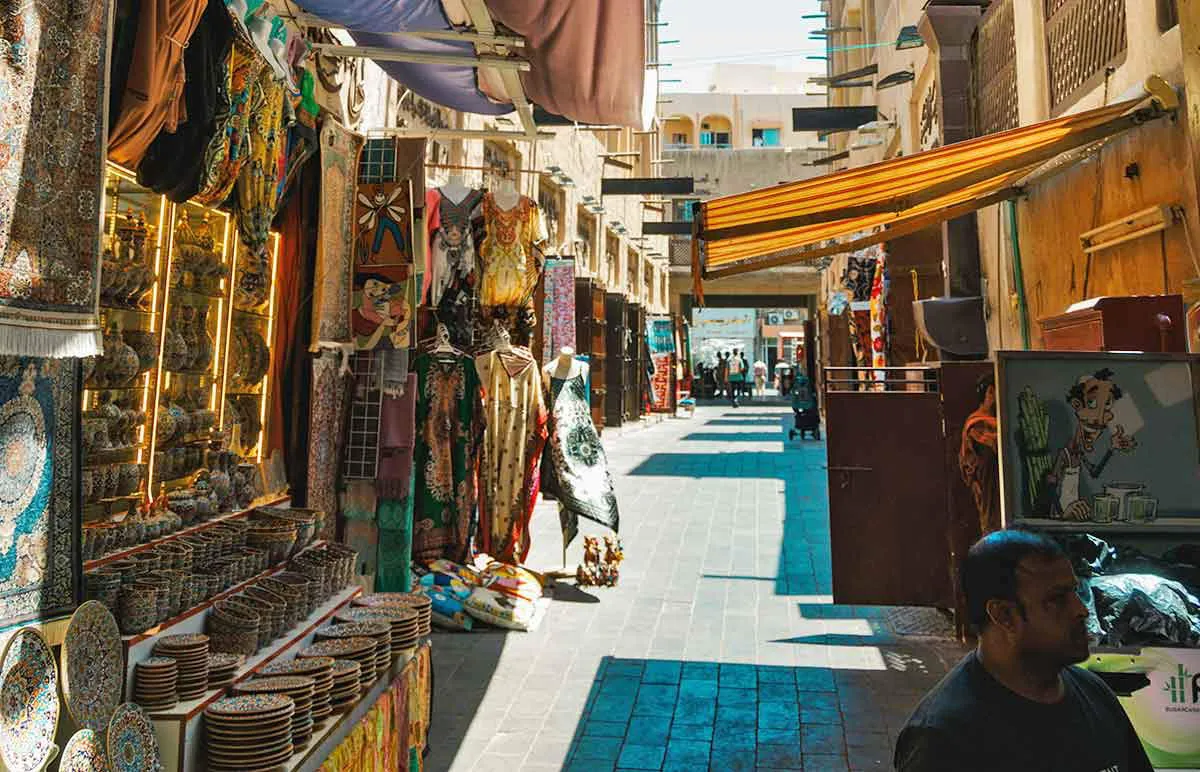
(450, 429)
(153, 99)
(509, 263)
(452, 244)
(173, 162)
(575, 467)
(512, 449)
(229, 148)
(258, 183)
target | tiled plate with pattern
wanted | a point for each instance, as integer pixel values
(92, 664)
(132, 746)
(28, 702)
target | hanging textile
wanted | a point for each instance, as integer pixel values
(575, 466)
(229, 148)
(258, 183)
(331, 299)
(395, 485)
(451, 278)
(660, 338)
(153, 99)
(172, 164)
(384, 281)
(509, 466)
(510, 263)
(450, 428)
(558, 314)
(330, 393)
(859, 324)
(879, 319)
(51, 176)
(420, 703)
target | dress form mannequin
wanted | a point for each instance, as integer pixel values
(565, 365)
(455, 189)
(506, 194)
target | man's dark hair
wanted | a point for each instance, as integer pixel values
(990, 570)
(984, 383)
(1076, 391)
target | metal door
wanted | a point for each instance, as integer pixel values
(887, 499)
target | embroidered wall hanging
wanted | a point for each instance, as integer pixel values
(52, 60)
(559, 309)
(39, 490)
(331, 300)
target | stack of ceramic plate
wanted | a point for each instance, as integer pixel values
(156, 683)
(347, 684)
(191, 653)
(381, 631)
(222, 667)
(300, 689)
(405, 622)
(320, 669)
(361, 650)
(418, 601)
(250, 733)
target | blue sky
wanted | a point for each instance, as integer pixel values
(750, 31)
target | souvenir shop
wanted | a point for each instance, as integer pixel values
(268, 406)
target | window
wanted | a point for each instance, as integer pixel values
(1168, 14)
(714, 139)
(679, 139)
(681, 209)
(765, 137)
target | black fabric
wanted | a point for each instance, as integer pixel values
(970, 721)
(125, 28)
(173, 164)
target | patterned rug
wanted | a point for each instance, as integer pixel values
(339, 168)
(329, 394)
(39, 492)
(52, 60)
(559, 311)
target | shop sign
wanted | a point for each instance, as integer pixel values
(723, 323)
(1165, 714)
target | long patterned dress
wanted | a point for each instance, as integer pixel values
(575, 469)
(509, 475)
(450, 427)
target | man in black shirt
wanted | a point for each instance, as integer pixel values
(1018, 703)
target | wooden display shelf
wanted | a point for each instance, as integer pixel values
(179, 729)
(109, 558)
(1163, 525)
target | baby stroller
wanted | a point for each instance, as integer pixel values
(806, 421)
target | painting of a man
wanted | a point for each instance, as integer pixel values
(381, 312)
(1091, 399)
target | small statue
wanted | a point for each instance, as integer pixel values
(598, 570)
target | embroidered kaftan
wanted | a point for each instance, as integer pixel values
(450, 427)
(510, 264)
(509, 477)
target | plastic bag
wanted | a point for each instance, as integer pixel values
(501, 610)
(1141, 609)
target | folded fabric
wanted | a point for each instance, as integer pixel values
(501, 610)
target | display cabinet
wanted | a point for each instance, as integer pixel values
(590, 340)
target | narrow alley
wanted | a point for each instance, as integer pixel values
(720, 649)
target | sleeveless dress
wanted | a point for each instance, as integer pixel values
(575, 468)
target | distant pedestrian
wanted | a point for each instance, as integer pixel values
(737, 377)
(722, 373)
(760, 378)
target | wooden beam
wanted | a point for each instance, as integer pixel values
(668, 228)
(806, 254)
(502, 63)
(510, 136)
(637, 186)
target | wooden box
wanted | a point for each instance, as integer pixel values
(1118, 324)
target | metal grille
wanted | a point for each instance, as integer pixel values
(996, 70)
(362, 448)
(1083, 37)
(378, 161)
(681, 252)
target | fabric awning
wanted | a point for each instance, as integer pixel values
(803, 221)
(587, 60)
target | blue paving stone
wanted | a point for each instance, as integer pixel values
(737, 715)
(624, 686)
(642, 756)
(598, 749)
(738, 676)
(819, 701)
(612, 707)
(649, 730)
(777, 693)
(819, 716)
(822, 738)
(727, 760)
(737, 697)
(779, 735)
(689, 752)
(777, 715)
(589, 765)
(596, 728)
(695, 710)
(703, 732)
(773, 674)
(662, 672)
(812, 679)
(656, 700)
(824, 762)
(698, 688)
(779, 757)
(700, 671)
(625, 667)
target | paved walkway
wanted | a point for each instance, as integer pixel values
(720, 649)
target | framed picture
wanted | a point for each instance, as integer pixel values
(1096, 437)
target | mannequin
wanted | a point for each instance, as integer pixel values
(564, 366)
(506, 194)
(455, 189)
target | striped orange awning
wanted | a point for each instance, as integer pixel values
(803, 221)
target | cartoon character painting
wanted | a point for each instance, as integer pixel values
(381, 313)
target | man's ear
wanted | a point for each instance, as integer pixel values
(1076, 404)
(1003, 613)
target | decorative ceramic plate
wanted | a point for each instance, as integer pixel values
(344, 668)
(338, 647)
(168, 664)
(92, 665)
(220, 660)
(132, 746)
(28, 702)
(186, 642)
(355, 630)
(83, 753)
(412, 599)
(298, 666)
(399, 614)
(251, 705)
(277, 684)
